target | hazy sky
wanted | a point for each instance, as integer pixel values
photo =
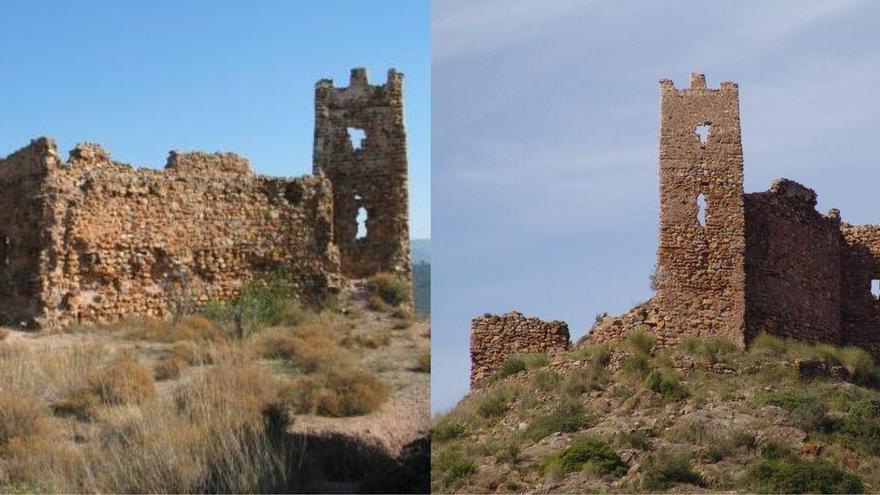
(143, 78)
(545, 141)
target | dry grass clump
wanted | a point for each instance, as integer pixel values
(190, 328)
(338, 392)
(308, 347)
(169, 367)
(20, 417)
(125, 381)
(372, 340)
(3, 333)
(390, 289)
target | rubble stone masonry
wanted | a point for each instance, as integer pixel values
(94, 240)
(728, 263)
(494, 338)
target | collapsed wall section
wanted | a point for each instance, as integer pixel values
(125, 241)
(494, 338)
(793, 281)
(701, 254)
(360, 145)
(22, 238)
(860, 272)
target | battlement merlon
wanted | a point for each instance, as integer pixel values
(698, 82)
(360, 78)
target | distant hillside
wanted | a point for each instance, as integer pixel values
(422, 288)
(781, 417)
(420, 251)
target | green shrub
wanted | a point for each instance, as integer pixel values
(866, 408)
(520, 362)
(494, 402)
(510, 451)
(587, 453)
(806, 411)
(392, 290)
(770, 345)
(584, 380)
(723, 446)
(666, 384)
(546, 380)
(262, 303)
(861, 366)
(637, 439)
(666, 469)
(855, 430)
(639, 341)
(568, 416)
(636, 366)
(448, 428)
(453, 466)
(788, 474)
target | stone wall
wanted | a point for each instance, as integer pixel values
(860, 264)
(93, 240)
(792, 265)
(494, 338)
(369, 180)
(112, 240)
(701, 267)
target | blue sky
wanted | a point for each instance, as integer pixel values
(143, 78)
(545, 141)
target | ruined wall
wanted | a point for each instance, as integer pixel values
(117, 241)
(792, 265)
(372, 177)
(495, 338)
(860, 264)
(700, 268)
(22, 231)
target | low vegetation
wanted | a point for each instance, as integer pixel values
(147, 405)
(702, 416)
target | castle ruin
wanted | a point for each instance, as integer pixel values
(94, 240)
(735, 264)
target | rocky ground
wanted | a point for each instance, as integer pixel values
(703, 417)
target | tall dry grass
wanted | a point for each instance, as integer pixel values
(213, 433)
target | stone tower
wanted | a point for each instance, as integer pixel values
(360, 146)
(701, 254)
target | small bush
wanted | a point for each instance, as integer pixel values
(867, 408)
(586, 453)
(861, 366)
(566, 417)
(636, 366)
(509, 451)
(806, 411)
(663, 470)
(788, 474)
(640, 342)
(448, 428)
(309, 347)
(857, 430)
(338, 392)
(389, 288)
(494, 402)
(3, 333)
(585, 380)
(169, 367)
(376, 303)
(20, 417)
(373, 340)
(453, 466)
(666, 384)
(124, 382)
(82, 404)
(637, 439)
(546, 380)
(770, 345)
(520, 362)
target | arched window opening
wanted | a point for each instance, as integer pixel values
(701, 210)
(356, 136)
(702, 131)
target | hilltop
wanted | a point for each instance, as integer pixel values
(704, 416)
